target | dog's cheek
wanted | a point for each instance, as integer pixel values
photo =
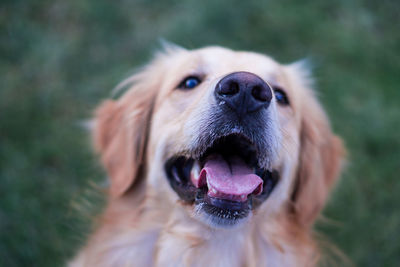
(164, 137)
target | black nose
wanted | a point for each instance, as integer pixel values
(243, 92)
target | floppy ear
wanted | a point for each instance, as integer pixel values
(121, 126)
(321, 155)
(120, 136)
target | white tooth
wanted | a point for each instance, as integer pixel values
(243, 196)
(208, 183)
(213, 190)
(195, 170)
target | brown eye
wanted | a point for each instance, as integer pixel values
(189, 83)
(281, 96)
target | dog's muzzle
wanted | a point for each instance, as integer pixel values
(225, 177)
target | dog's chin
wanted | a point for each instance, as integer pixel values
(220, 213)
(225, 184)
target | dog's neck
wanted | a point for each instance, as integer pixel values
(186, 242)
(163, 235)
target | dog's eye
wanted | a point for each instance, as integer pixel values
(281, 96)
(189, 83)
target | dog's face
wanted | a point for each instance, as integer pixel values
(234, 136)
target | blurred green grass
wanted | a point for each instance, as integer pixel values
(60, 58)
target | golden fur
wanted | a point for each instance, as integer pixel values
(145, 223)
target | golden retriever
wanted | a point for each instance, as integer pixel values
(215, 158)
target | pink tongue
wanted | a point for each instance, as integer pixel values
(234, 181)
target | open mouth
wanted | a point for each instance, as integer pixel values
(225, 182)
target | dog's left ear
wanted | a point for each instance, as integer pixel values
(321, 156)
(120, 136)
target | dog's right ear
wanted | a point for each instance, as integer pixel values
(122, 126)
(120, 136)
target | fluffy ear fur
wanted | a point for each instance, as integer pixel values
(120, 137)
(120, 132)
(321, 154)
(121, 126)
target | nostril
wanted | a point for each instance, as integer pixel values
(260, 93)
(229, 89)
(243, 93)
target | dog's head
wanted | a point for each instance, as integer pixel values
(232, 135)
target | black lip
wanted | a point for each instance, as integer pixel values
(226, 204)
(178, 174)
(270, 180)
(222, 212)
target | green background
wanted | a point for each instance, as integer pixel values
(60, 58)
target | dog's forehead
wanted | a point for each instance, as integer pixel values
(218, 59)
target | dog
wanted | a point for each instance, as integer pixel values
(215, 158)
